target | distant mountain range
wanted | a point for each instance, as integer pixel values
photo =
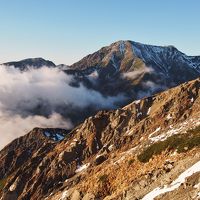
(162, 65)
(123, 56)
(30, 62)
(129, 68)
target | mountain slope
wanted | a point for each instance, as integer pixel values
(136, 141)
(125, 70)
(127, 66)
(128, 55)
(135, 69)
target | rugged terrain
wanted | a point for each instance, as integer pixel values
(148, 147)
(128, 67)
(125, 70)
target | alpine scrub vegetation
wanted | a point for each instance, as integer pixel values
(180, 143)
(2, 183)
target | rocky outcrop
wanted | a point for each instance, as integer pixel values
(101, 158)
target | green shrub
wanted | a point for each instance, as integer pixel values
(103, 178)
(181, 143)
(131, 161)
(195, 130)
(2, 183)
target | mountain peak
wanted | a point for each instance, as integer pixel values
(126, 55)
(30, 62)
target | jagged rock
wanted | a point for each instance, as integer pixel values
(168, 166)
(67, 156)
(10, 195)
(88, 196)
(76, 195)
(100, 159)
(143, 183)
(54, 166)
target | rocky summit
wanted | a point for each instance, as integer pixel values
(135, 69)
(124, 71)
(148, 149)
(127, 67)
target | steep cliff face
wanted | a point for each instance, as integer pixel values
(125, 55)
(128, 56)
(135, 69)
(22, 149)
(119, 154)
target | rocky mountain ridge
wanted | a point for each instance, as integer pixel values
(125, 69)
(30, 63)
(141, 69)
(148, 143)
(121, 56)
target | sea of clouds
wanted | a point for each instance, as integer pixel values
(42, 98)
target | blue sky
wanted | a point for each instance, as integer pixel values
(66, 30)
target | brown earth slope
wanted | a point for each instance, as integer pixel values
(120, 154)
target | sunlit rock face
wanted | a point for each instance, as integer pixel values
(125, 153)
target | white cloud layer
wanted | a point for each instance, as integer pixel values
(31, 99)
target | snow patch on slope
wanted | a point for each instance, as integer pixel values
(175, 184)
(54, 136)
(82, 167)
(181, 128)
(158, 54)
(122, 47)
